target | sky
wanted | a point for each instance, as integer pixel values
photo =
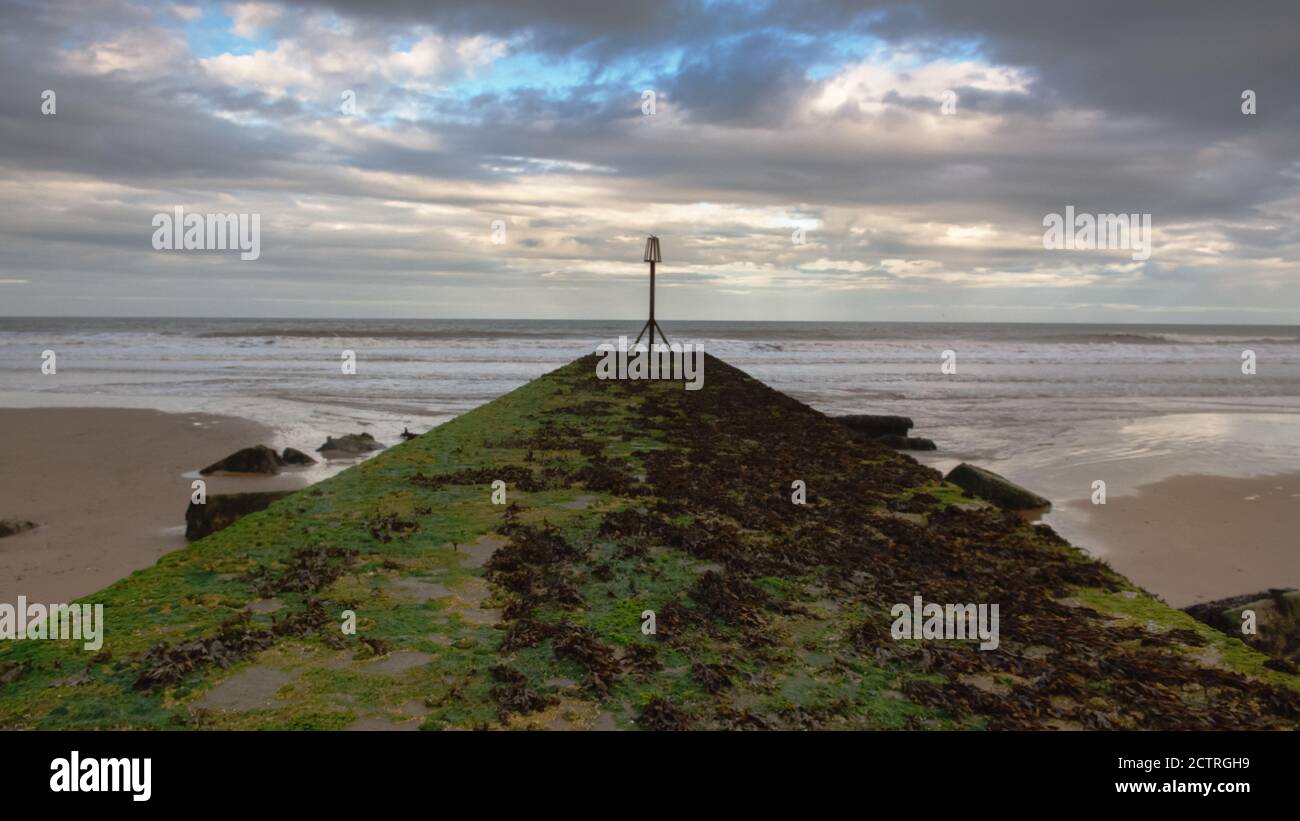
(799, 161)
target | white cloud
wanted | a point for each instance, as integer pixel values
(864, 87)
(249, 18)
(824, 264)
(320, 60)
(140, 53)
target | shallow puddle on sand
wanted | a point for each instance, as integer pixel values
(250, 689)
(481, 549)
(467, 596)
(398, 662)
(480, 616)
(471, 591)
(340, 660)
(605, 723)
(419, 589)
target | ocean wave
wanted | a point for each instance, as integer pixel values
(1153, 338)
(374, 333)
(1200, 339)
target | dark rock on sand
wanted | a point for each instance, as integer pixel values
(225, 509)
(875, 426)
(987, 485)
(890, 431)
(351, 443)
(1277, 620)
(258, 459)
(907, 442)
(293, 456)
(12, 527)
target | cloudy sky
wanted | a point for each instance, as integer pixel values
(770, 122)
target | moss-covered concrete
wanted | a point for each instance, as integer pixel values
(624, 498)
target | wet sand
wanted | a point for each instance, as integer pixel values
(1197, 538)
(108, 488)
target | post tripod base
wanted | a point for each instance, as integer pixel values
(651, 326)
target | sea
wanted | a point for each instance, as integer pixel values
(1052, 406)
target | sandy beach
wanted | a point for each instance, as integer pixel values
(108, 488)
(1195, 538)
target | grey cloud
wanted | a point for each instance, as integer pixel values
(1130, 109)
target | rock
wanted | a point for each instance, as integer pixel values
(351, 443)
(874, 426)
(11, 671)
(890, 431)
(223, 510)
(12, 527)
(1277, 621)
(258, 459)
(897, 442)
(293, 456)
(987, 485)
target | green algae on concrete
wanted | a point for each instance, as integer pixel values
(626, 499)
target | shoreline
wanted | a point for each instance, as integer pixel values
(108, 488)
(1188, 537)
(1195, 538)
(1188, 495)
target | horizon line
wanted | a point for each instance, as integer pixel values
(635, 320)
